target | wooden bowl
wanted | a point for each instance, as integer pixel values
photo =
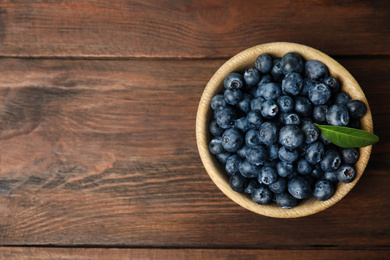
(239, 63)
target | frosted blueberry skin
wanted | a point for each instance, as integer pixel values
(319, 94)
(286, 104)
(292, 62)
(262, 195)
(299, 188)
(292, 84)
(232, 140)
(323, 190)
(291, 136)
(346, 173)
(350, 155)
(279, 186)
(233, 80)
(337, 115)
(232, 164)
(264, 63)
(341, 98)
(316, 70)
(268, 133)
(285, 200)
(314, 152)
(331, 161)
(251, 77)
(238, 183)
(356, 108)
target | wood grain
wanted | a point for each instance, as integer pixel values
(189, 29)
(8, 253)
(104, 153)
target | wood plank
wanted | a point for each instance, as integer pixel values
(104, 153)
(189, 29)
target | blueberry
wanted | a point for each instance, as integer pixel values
(251, 77)
(214, 128)
(314, 152)
(337, 115)
(284, 169)
(278, 186)
(316, 70)
(256, 103)
(233, 81)
(291, 119)
(271, 91)
(245, 103)
(331, 161)
(257, 155)
(319, 113)
(268, 133)
(292, 84)
(304, 167)
(268, 175)
(303, 106)
(242, 124)
(307, 84)
(299, 188)
(264, 63)
(333, 84)
(248, 170)
(266, 78)
(262, 195)
(356, 108)
(252, 138)
(346, 173)
(292, 62)
(319, 94)
(243, 151)
(311, 132)
(225, 117)
(232, 164)
(323, 190)
(238, 183)
(273, 151)
(218, 102)
(253, 184)
(223, 157)
(269, 109)
(342, 98)
(350, 155)
(291, 136)
(215, 146)
(254, 119)
(331, 176)
(232, 96)
(317, 172)
(286, 104)
(276, 70)
(285, 200)
(232, 140)
(288, 155)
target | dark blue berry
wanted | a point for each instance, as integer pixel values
(214, 128)
(264, 63)
(292, 84)
(356, 108)
(288, 155)
(291, 119)
(232, 140)
(316, 70)
(252, 138)
(274, 151)
(242, 124)
(243, 151)
(307, 84)
(333, 84)
(223, 157)
(331, 176)
(278, 186)
(253, 184)
(311, 132)
(225, 118)
(256, 103)
(271, 91)
(303, 106)
(331, 161)
(291, 136)
(276, 70)
(285, 200)
(319, 114)
(238, 183)
(314, 152)
(245, 103)
(248, 170)
(215, 146)
(317, 172)
(319, 94)
(286, 104)
(232, 96)
(232, 164)
(262, 195)
(251, 77)
(257, 155)
(342, 98)
(346, 173)
(268, 175)
(350, 155)
(266, 78)
(233, 81)
(292, 62)
(284, 169)
(337, 115)
(323, 190)
(218, 102)
(304, 167)
(254, 119)
(299, 188)
(268, 133)
(269, 109)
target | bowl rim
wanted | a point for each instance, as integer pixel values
(245, 59)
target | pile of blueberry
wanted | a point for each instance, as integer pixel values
(263, 130)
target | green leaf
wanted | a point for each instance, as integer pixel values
(347, 137)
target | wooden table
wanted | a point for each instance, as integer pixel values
(98, 156)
